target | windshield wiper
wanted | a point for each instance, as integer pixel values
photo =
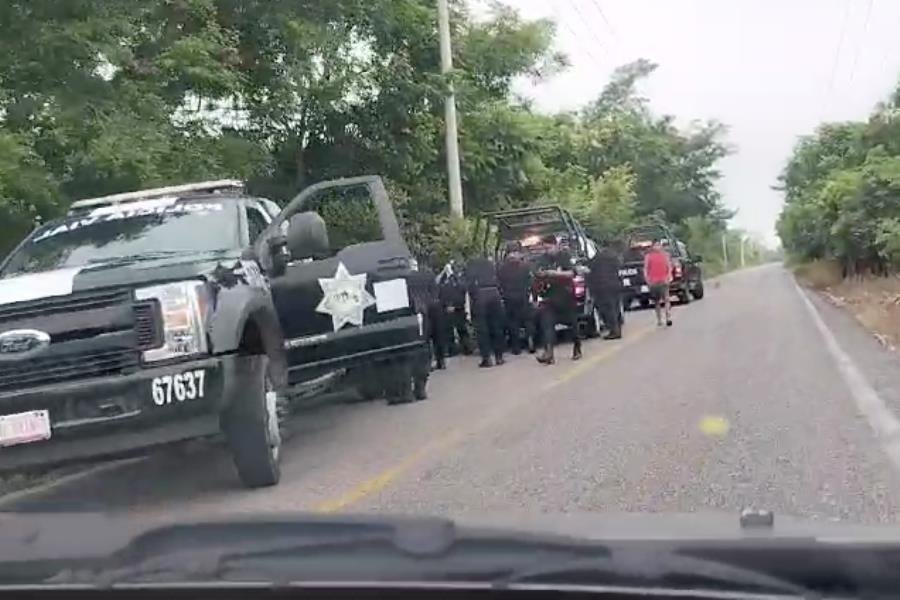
(642, 568)
(417, 551)
(150, 255)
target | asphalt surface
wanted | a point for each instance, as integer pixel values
(740, 404)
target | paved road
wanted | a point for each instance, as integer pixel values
(620, 430)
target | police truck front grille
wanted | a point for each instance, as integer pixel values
(36, 372)
(80, 301)
(147, 325)
(96, 333)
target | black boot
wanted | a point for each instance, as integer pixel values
(440, 364)
(546, 357)
(486, 363)
(576, 350)
(531, 347)
(498, 358)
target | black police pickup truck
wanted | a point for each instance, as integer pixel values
(163, 315)
(687, 274)
(544, 233)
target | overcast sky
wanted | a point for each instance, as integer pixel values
(770, 69)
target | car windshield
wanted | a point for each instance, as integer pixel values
(545, 264)
(127, 233)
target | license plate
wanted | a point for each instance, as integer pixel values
(24, 428)
(645, 289)
(626, 282)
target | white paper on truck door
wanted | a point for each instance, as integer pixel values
(391, 295)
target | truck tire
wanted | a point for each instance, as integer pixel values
(253, 429)
(698, 291)
(370, 390)
(369, 384)
(420, 387)
(399, 384)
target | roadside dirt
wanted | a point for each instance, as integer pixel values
(874, 301)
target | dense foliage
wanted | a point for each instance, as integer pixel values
(842, 193)
(102, 96)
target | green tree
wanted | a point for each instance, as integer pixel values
(842, 193)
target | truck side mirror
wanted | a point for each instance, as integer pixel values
(307, 236)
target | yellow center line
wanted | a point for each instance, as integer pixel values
(382, 480)
(379, 482)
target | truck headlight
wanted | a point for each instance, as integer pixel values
(183, 306)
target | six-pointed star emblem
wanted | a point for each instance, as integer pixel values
(344, 297)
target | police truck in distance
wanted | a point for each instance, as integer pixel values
(163, 315)
(687, 274)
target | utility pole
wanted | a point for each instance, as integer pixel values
(743, 264)
(725, 250)
(453, 176)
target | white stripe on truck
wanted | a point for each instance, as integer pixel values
(32, 286)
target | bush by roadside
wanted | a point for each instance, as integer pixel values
(818, 274)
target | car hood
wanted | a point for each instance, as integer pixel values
(112, 273)
(707, 525)
(74, 536)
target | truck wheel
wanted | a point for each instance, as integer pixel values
(369, 385)
(698, 291)
(370, 390)
(420, 387)
(253, 430)
(399, 384)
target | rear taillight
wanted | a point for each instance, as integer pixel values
(578, 284)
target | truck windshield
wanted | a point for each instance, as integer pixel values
(111, 234)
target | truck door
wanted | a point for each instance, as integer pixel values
(332, 302)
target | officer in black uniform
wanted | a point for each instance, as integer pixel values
(606, 288)
(559, 306)
(426, 302)
(515, 286)
(452, 292)
(487, 309)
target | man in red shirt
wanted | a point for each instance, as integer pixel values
(658, 275)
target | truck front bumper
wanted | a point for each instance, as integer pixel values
(121, 414)
(642, 292)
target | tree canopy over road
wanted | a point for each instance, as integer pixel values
(103, 96)
(842, 193)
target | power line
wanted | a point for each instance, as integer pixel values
(586, 22)
(837, 56)
(609, 25)
(575, 35)
(860, 42)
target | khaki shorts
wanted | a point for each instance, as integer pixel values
(659, 291)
